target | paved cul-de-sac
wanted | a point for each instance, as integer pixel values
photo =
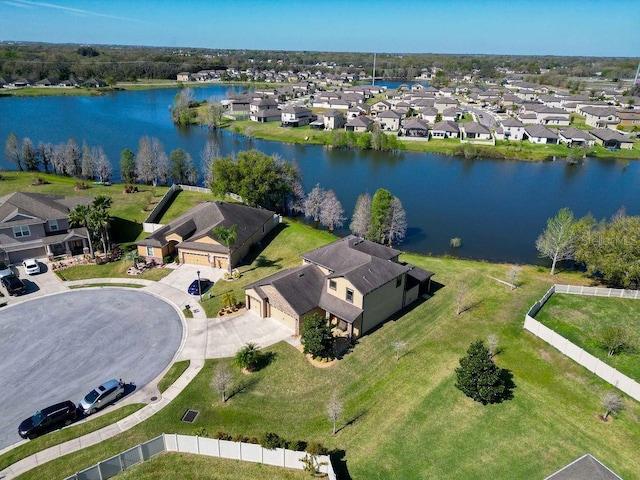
(59, 347)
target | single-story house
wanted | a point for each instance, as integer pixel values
(600, 117)
(475, 131)
(445, 129)
(191, 237)
(629, 117)
(35, 225)
(574, 137)
(183, 76)
(296, 116)
(359, 124)
(540, 134)
(416, 128)
(429, 114)
(354, 283)
(442, 103)
(611, 139)
(268, 115)
(452, 114)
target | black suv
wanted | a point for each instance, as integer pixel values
(47, 419)
(13, 285)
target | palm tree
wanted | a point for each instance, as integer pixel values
(227, 237)
(229, 300)
(101, 219)
(80, 217)
(248, 357)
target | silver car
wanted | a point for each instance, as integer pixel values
(102, 396)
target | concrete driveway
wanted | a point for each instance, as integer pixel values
(182, 276)
(61, 346)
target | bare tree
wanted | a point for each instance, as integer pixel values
(612, 404)
(398, 348)
(87, 161)
(492, 344)
(313, 203)
(161, 162)
(334, 409)
(213, 114)
(191, 172)
(222, 381)
(57, 158)
(45, 152)
(12, 152)
(513, 276)
(210, 152)
(29, 155)
(461, 295)
(397, 222)
(152, 164)
(331, 211)
(72, 157)
(181, 102)
(361, 215)
(103, 167)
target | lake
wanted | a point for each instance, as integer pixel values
(497, 207)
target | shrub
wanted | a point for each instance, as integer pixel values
(222, 436)
(316, 337)
(297, 445)
(238, 437)
(316, 448)
(200, 432)
(272, 441)
(248, 357)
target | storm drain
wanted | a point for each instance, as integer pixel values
(190, 416)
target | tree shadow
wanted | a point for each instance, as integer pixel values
(509, 386)
(352, 420)
(243, 387)
(257, 248)
(125, 231)
(264, 360)
(339, 464)
(471, 305)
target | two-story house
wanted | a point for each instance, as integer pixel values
(354, 283)
(296, 116)
(35, 225)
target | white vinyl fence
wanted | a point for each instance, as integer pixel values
(212, 447)
(597, 366)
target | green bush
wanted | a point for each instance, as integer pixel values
(272, 441)
(316, 448)
(222, 436)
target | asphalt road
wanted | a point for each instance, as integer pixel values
(61, 346)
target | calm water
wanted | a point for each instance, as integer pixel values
(498, 208)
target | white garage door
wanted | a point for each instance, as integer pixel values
(195, 258)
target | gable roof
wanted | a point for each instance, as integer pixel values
(201, 219)
(586, 467)
(606, 134)
(575, 134)
(512, 122)
(446, 126)
(23, 208)
(540, 132)
(360, 121)
(475, 127)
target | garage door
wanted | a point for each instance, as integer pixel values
(255, 305)
(17, 257)
(283, 318)
(195, 258)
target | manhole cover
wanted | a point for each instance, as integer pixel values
(190, 416)
(153, 399)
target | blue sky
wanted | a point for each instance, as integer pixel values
(521, 27)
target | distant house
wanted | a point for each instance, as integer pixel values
(380, 106)
(540, 134)
(183, 76)
(333, 120)
(296, 116)
(629, 117)
(445, 129)
(611, 139)
(359, 124)
(512, 129)
(262, 104)
(355, 284)
(34, 225)
(416, 128)
(442, 103)
(574, 137)
(600, 117)
(389, 120)
(191, 237)
(429, 114)
(94, 83)
(263, 116)
(452, 114)
(475, 131)
(586, 467)
(357, 111)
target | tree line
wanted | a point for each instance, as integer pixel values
(150, 164)
(609, 249)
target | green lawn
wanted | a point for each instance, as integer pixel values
(582, 319)
(182, 202)
(173, 374)
(405, 419)
(117, 269)
(196, 467)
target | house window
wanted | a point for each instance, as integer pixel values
(150, 251)
(349, 296)
(53, 225)
(398, 281)
(21, 231)
(332, 284)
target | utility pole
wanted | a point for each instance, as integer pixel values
(373, 82)
(635, 80)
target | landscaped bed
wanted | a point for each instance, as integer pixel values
(584, 320)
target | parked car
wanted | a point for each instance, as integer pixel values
(31, 266)
(13, 285)
(102, 396)
(205, 284)
(47, 419)
(4, 270)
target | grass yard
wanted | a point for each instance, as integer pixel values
(405, 419)
(173, 374)
(197, 467)
(582, 319)
(117, 269)
(182, 202)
